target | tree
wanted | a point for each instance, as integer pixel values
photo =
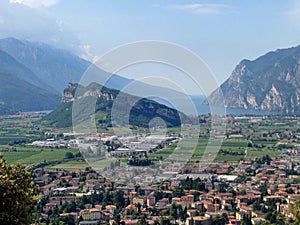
(158, 195)
(256, 206)
(118, 199)
(220, 219)
(295, 209)
(183, 214)
(69, 155)
(246, 220)
(267, 222)
(271, 216)
(18, 194)
(118, 218)
(71, 207)
(165, 221)
(178, 192)
(174, 211)
(142, 221)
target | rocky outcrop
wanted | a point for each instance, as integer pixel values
(271, 82)
(70, 94)
(272, 100)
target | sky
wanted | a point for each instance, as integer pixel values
(221, 33)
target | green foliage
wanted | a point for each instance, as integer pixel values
(18, 194)
(256, 206)
(220, 219)
(140, 161)
(142, 221)
(246, 221)
(274, 217)
(178, 192)
(196, 184)
(295, 208)
(60, 117)
(142, 112)
(69, 155)
(118, 199)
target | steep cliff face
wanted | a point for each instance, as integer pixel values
(69, 93)
(271, 82)
(94, 90)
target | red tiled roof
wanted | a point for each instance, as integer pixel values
(247, 208)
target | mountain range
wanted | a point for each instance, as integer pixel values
(34, 75)
(20, 88)
(46, 71)
(53, 67)
(270, 82)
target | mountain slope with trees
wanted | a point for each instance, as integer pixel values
(142, 112)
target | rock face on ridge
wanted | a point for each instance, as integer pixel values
(271, 82)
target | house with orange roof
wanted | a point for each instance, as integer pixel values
(111, 210)
(198, 205)
(73, 214)
(198, 220)
(130, 222)
(192, 212)
(245, 211)
(131, 207)
(208, 205)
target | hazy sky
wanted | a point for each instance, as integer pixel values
(222, 33)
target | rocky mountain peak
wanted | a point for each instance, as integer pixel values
(270, 82)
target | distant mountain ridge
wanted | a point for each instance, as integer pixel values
(20, 89)
(270, 82)
(33, 75)
(53, 67)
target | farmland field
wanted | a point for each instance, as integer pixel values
(243, 140)
(37, 156)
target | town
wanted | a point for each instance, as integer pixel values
(255, 179)
(253, 192)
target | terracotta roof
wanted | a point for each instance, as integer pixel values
(247, 208)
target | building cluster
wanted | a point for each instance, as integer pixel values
(246, 192)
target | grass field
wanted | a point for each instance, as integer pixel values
(71, 165)
(252, 153)
(231, 150)
(37, 156)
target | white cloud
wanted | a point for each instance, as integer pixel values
(36, 24)
(294, 14)
(87, 53)
(35, 3)
(203, 9)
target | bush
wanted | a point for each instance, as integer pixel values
(69, 155)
